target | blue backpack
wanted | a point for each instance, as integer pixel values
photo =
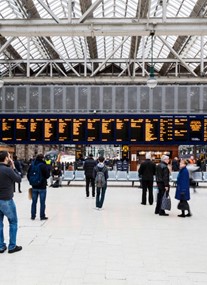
(35, 174)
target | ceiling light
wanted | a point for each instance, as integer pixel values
(152, 81)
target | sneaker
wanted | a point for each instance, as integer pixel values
(3, 250)
(17, 248)
(45, 218)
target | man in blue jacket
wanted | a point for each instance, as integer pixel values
(8, 176)
(40, 189)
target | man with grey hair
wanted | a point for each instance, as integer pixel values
(146, 174)
(163, 183)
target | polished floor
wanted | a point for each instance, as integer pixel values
(124, 244)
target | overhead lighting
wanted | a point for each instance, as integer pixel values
(1, 83)
(152, 81)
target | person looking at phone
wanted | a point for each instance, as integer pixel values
(8, 176)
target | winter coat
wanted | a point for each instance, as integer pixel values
(88, 167)
(147, 170)
(183, 185)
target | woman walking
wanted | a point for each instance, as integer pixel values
(183, 190)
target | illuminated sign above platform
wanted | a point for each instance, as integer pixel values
(103, 129)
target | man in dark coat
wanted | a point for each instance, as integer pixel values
(146, 173)
(163, 183)
(88, 167)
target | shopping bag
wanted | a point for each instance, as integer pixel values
(30, 193)
(166, 202)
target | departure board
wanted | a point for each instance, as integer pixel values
(64, 129)
(50, 130)
(22, 128)
(107, 130)
(166, 128)
(137, 130)
(93, 130)
(36, 129)
(196, 132)
(8, 129)
(181, 128)
(205, 129)
(151, 130)
(79, 129)
(121, 129)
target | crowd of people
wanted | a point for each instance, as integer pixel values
(96, 174)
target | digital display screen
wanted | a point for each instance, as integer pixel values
(64, 129)
(7, 129)
(103, 128)
(93, 130)
(107, 130)
(22, 128)
(122, 130)
(79, 129)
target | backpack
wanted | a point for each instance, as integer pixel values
(100, 179)
(35, 174)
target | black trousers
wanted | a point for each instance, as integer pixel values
(90, 181)
(161, 191)
(147, 185)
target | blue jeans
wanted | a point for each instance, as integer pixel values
(35, 193)
(8, 209)
(100, 195)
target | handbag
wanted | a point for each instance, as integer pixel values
(30, 193)
(166, 202)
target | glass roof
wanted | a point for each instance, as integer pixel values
(117, 49)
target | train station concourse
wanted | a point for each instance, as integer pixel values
(118, 78)
(124, 244)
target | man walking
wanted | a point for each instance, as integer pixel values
(146, 173)
(163, 183)
(8, 176)
(88, 167)
(38, 173)
(100, 174)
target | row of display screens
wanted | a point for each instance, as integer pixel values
(110, 129)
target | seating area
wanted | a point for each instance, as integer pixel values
(197, 177)
(79, 175)
(130, 176)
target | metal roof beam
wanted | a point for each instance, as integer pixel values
(104, 27)
(89, 11)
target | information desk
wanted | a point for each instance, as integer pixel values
(103, 129)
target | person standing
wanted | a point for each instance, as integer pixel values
(18, 167)
(163, 183)
(100, 174)
(8, 176)
(40, 189)
(88, 167)
(146, 173)
(182, 192)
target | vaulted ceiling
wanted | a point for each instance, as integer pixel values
(103, 41)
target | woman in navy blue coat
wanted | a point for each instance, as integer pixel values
(183, 189)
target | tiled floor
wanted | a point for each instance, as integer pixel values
(125, 244)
